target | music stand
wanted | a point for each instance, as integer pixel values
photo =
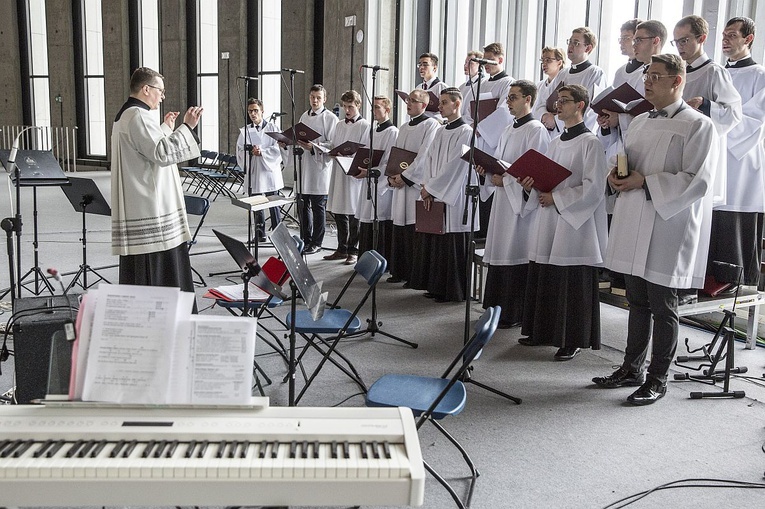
(33, 168)
(85, 197)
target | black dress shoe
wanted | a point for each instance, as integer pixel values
(650, 392)
(429, 295)
(566, 354)
(527, 341)
(312, 250)
(622, 377)
(394, 279)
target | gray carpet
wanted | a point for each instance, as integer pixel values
(567, 445)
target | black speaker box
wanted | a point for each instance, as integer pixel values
(42, 325)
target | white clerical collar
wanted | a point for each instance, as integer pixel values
(734, 62)
(702, 58)
(580, 64)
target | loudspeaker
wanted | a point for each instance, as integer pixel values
(42, 325)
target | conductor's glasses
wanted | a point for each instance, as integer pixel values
(161, 90)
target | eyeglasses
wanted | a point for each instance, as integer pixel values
(513, 97)
(409, 100)
(564, 100)
(625, 38)
(730, 36)
(682, 42)
(573, 42)
(423, 64)
(638, 40)
(653, 77)
(548, 60)
(161, 90)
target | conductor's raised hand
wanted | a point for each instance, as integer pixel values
(170, 118)
(191, 118)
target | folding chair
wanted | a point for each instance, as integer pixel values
(337, 321)
(197, 206)
(432, 398)
(206, 159)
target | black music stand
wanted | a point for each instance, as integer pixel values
(33, 168)
(85, 197)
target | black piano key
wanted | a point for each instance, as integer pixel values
(44, 447)
(386, 449)
(86, 447)
(334, 449)
(304, 452)
(99, 447)
(346, 450)
(12, 446)
(316, 450)
(72, 452)
(160, 448)
(233, 448)
(275, 450)
(263, 447)
(171, 449)
(147, 450)
(364, 452)
(55, 448)
(221, 452)
(3, 445)
(202, 448)
(293, 449)
(190, 449)
(25, 445)
(130, 448)
(243, 450)
(117, 448)
(376, 449)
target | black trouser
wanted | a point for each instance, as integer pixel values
(347, 234)
(312, 209)
(260, 220)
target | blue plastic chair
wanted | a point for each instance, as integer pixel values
(432, 398)
(337, 321)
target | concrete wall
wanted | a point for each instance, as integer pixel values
(58, 17)
(11, 111)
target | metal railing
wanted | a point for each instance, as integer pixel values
(61, 140)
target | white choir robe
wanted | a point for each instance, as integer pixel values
(665, 240)
(468, 90)
(574, 231)
(417, 139)
(317, 166)
(383, 140)
(544, 90)
(491, 127)
(264, 171)
(713, 83)
(746, 154)
(512, 217)
(445, 175)
(343, 189)
(435, 88)
(614, 141)
(592, 78)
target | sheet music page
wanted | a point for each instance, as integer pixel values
(131, 348)
(491, 127)
(344, 162)
(220, 351)
(82, 344)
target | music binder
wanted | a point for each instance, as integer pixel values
(432, 104)
(304, 134)
(347, 148)
(361, 160)
(550, 104)
(430, 221)
(485, 107)
(546, 173)
(398, 161)
(488, 162)
(623, 99)
(36, 168)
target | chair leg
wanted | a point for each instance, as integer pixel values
(445, 484)
(474, 473)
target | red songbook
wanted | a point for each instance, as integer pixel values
(398, 161)
(304, 133)
(432, 105)
(546, 173)
(489, 163)
(347, 148)
(623, 99)
(361, 160)
(713, 288)
(550, 104)
(485, 107)
(430, 221)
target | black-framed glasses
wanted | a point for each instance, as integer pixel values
(513, 97)
(682, 41)
(638, 40)
(161, 90)
(564, 100)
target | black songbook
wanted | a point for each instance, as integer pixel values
(430, 221)
(347, 149)
(398, 161)
(489, 163)
(361, 160)
(623, 99)
(550, 104)
(432, 105)
(36, 168)
(546, 173)
(485, 107)
(304, 134)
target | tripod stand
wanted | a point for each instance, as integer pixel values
(41, 283)
(82, 193)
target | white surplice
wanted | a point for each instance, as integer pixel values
(383, 140)
(265, 171)
(344, 189)
(317, 166)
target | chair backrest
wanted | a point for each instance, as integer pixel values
(371, 266)
(197, 206)
(299, 244)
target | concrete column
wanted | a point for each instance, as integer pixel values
(232, 39)
(116, 34)
(11, 111)
(58, 17)
(297, 51)
(339, 41)
(174, 48)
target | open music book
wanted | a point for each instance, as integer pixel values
(142, 345)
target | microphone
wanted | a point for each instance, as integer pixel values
(294, 71)
(484, 61)
(280, 114)
(375, 67)
(246, 78)
(263, 73)
(53, 272)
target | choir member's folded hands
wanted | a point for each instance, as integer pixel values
(632, 181)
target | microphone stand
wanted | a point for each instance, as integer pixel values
(247, 171)
(373, 175)
(471, 193)
(297, 157)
